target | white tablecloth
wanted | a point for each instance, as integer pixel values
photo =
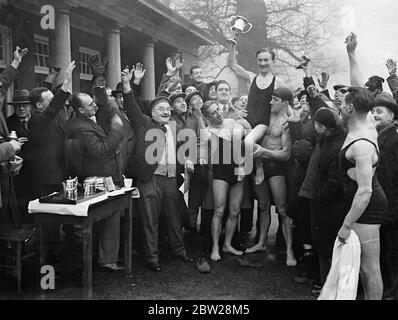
(80, 210)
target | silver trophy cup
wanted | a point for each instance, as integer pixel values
(238, 25)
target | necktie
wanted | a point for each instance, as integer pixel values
(25, 124)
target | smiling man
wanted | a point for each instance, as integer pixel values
(261, 87)
(156, 171)
(385, 114)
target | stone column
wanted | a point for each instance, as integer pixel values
(113, 53)
(61, 41)
(148, 83)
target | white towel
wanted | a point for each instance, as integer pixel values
(342, 280)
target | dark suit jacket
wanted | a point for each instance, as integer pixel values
(47, 140)
(98, 148)
(138, 167)
(97, 142)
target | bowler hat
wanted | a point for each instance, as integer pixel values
(194, 93)
(20, 97)
(385, 99)
(157, 100)
(119, 89)
(174, 96)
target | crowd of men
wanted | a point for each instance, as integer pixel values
(299, 151)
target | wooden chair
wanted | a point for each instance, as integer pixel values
(16, 237)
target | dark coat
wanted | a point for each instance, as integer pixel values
(328, 193)
(23, 181)
(47, 141)
(319, 101)
(393, 84)
(14, 124)
(98, 148)
(138, 167)
(388, 167)
(303, 137)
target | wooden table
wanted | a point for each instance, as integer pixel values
(96, 212)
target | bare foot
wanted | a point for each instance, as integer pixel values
(256, 248)
(215, 255)
(290, 260)
(232, 250)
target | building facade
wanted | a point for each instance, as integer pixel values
(124, 31)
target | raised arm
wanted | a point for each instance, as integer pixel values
(392, 79)
(134, 113)
(362, 154)
(41, 121)
(355, 72)
(8, 76)
(233, 64)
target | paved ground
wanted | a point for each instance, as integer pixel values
(227, 281)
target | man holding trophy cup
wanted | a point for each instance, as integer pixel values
(262, 87)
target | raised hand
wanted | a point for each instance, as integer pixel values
(69, 71)
(139, 73)
(68, 77)
(351, 42)
(324, 80)
(20, 53)
(178, 61)
(391, 66)
(127, 75)
(97, 67)
(173, 65)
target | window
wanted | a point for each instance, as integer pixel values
(85, 54)
(42, 49)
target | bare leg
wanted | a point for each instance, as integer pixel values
(369, 237)
(220, 192)
(264, 214)
(235, 200)
(279, 194)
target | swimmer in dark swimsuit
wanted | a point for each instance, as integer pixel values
(363, 194)
(272, 156)
(228, 173)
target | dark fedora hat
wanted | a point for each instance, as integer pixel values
(119, 89)
(194, 93)
(385, 99)
(20, 97)
(157, 100)
(174, 96)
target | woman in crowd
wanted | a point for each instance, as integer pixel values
(210, 91)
